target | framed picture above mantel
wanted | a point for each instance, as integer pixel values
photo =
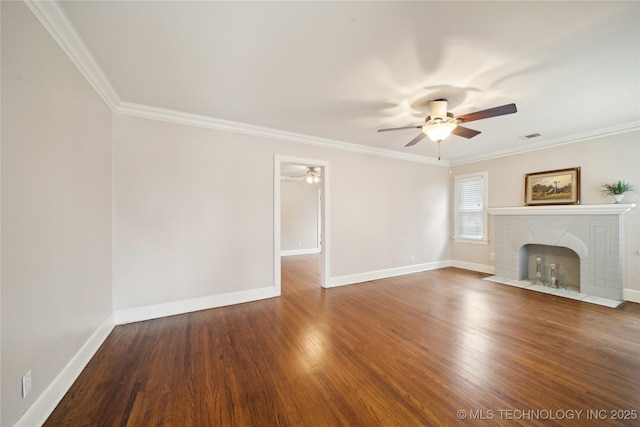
(556, 187)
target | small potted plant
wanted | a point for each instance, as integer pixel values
(617, 190)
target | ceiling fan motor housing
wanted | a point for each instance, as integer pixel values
(438, 109)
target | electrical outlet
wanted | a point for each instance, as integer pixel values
(492, 255)
(26, 384)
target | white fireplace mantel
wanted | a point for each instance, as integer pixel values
(604, 209)
(593, 232)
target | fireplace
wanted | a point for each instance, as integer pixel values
(594, 233)
(566, 265)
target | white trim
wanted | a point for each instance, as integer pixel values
(172, 116)
(319, 219)
(605, 209)
(53, 18)
(56, 22)
(156, 311)
(485, 202)
(481, 268)
(409, 269)
(632, 295)
(325, 221)
(277, 261)
(386, 273)
(324, 217)
(471, 241)
(44, 405)
(293, 252)
(542, 145)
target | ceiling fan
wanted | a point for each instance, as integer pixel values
(439, 124)
(311, 176)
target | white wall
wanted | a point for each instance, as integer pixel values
(299, 216)
(193, 214)
(56, 209)
(385, 211)
(602, 160)
(187, 223)
(193, 211)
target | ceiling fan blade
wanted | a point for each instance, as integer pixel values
(415, 140)
(491, 112)
(465, 132)
(400, 128)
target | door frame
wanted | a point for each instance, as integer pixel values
(324, 217)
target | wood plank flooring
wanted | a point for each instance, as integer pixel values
(407, 351)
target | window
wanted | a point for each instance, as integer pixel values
(470, 219)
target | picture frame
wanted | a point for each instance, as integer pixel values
(555, 187)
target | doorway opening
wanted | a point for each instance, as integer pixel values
(301, 220)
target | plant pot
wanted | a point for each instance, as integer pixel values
(618, 197)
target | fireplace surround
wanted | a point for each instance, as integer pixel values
(593, 232)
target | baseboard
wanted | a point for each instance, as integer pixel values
(481, 268)
(632, 295)
(44, 405)
(39, 411)
(300, 252)
(156, 311)
(383, 274)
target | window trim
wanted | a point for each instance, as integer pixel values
(485, 190)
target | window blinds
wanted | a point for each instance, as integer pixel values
(470, 206)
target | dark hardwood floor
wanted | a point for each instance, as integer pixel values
(426, 349)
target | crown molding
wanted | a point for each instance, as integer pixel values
(581, 137)
(54, 19)
(179, 117)
(56, 22)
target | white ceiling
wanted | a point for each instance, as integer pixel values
(341, 70)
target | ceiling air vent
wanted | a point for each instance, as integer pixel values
(530, 136)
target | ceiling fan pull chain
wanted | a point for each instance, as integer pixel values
(439, 150)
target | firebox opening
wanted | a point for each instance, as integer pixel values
(567, 265)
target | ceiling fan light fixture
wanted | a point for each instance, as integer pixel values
(312, 176)
(438, 132)
(439, 124)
